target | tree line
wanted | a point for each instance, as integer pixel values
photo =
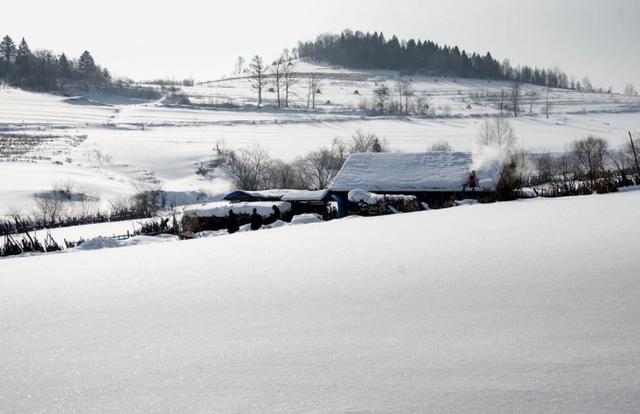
(374, 51)
(43, 70)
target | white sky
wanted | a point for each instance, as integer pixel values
(201, 39)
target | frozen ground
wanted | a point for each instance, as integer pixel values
(528, 306)
(154, 141)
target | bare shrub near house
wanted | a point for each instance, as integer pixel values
(320, 167)
(147, 199)
(49, 210)
(248, 167)
(497, 132)
(367, 142)
(280, 174)
(442, 146)
(590, 154)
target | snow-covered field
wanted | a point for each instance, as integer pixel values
(527, 306)
(128, 141)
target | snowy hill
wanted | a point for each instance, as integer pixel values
(103, 144)
(527, 306)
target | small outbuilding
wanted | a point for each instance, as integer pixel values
(300, 201)
(213, 216)
(436, 178)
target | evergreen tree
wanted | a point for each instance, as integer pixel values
(7, 50)
(42, 70)
(86, 64)
(24, 60)
(65, 66)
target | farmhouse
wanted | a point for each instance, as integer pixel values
(434, 178)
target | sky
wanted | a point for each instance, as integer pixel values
(202, 39)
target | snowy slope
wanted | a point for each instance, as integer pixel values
(528, 306)
(128, 141)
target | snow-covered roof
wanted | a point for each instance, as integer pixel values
(305, 195)
(277, 194)
(222, 208)
(412, 172)
(244, 195)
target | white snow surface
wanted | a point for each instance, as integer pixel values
(358, 196)
(426, 171)
(305, 195)
(222, 208)
(307, 218)
(529, 306)
(101, 242)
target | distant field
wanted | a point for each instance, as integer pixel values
(165, 142)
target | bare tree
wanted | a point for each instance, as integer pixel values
(501, 102)
(405, 91)
(290, 80)
(422, 105)
(49, 209)
(515, 98)
(382, 96)
(441, 146)
(547, 104)
(258, 72)
(367, 142)
(557, 171)
(147, 199)
(340, 150)
(240, 65)
(277, 81)
(630, 90)
(532, 95)
(312, 90)
(283, 175)
(590, 154)
(498, 132)
(320, 168)
(248, 167)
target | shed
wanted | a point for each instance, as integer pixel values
(436, 178)
(301, 201)
(213, 216)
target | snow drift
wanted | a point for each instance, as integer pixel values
(528, 306)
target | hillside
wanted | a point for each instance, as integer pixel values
(102, 142)
(415, 56)
(509, 307)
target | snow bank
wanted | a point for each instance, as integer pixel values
(308, 218)
(466, 202)
(508, 307)
(527, 192)
(221, 208)
(629, 188)
(98, 243)
(276, 224)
